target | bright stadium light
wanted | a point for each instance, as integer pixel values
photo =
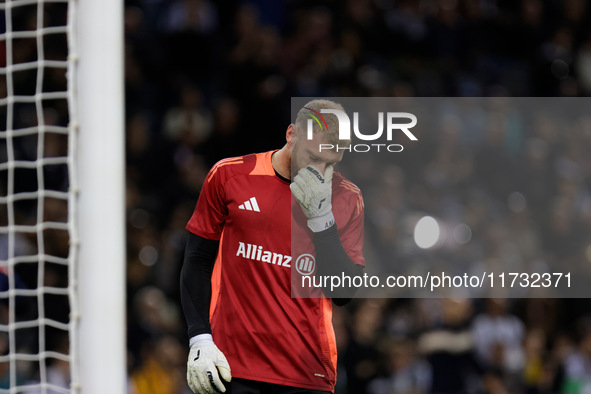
(426, 232)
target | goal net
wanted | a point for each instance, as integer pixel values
(61, 221)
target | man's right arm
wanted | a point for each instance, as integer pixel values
(200, 255)
(206, 363)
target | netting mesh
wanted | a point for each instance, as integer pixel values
(37, 233)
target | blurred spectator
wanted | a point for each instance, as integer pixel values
(535, 371)
(406, 374)
(190, 123)
(162, 370)
(57, 370)
(448, 346)
(498, 338)
(361, 355)
(197, 15)
(577, 365)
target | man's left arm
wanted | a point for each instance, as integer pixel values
(336, 255)
(333, 260)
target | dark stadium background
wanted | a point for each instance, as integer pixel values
(206, 80)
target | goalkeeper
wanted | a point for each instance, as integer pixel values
(247, 334)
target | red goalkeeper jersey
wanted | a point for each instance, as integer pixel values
(264, 333)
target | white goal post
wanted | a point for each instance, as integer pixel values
(99, 65)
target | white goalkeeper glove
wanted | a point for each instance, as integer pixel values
(314, 193)
(205, 366)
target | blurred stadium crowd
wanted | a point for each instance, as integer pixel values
(206, 80)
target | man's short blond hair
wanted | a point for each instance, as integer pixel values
(330, 131)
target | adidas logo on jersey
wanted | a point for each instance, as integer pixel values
(250, 205)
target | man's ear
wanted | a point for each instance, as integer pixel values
(291, 134)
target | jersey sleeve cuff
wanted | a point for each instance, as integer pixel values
(200, 339)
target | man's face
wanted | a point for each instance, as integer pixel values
(304, 152)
